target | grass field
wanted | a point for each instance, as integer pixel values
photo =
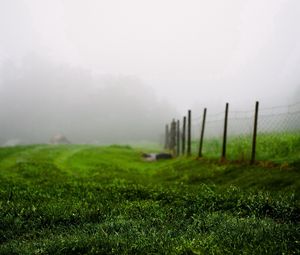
(80, 199)
(275, 147)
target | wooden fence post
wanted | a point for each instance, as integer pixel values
(167, 136)
(183, 136)
(170, 136)
(202, 133)
(178, 138)
(189, 135)
(225, 133)
(173, 137)
(254, 134)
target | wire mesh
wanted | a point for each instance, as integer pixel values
(278, 133)
(240, 129)
(212, 136)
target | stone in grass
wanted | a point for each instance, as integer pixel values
(156, 156)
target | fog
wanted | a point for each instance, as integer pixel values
(41, 99)
(114, 71)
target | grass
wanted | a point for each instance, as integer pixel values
(275, 147)
(80, 199)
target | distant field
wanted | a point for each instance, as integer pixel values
(81, 199)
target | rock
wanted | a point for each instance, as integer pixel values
(156, 156)
(163, 156)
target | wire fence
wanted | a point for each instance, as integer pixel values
(278, 134)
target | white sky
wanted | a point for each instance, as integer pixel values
(192, 52)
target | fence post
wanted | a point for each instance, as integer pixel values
(183, 136)
(202, 133)
(167, 136)
(178, 138)
(173, 136)
(254, 134)
(225, 133)
(170, 135)
(189, 135)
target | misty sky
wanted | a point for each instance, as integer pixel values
(191, 53)
(187, 50)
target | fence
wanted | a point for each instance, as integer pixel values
(259, 134)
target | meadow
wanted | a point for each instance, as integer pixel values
(84, 199)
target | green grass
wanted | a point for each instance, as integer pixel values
(275, 147)
(80, 199)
